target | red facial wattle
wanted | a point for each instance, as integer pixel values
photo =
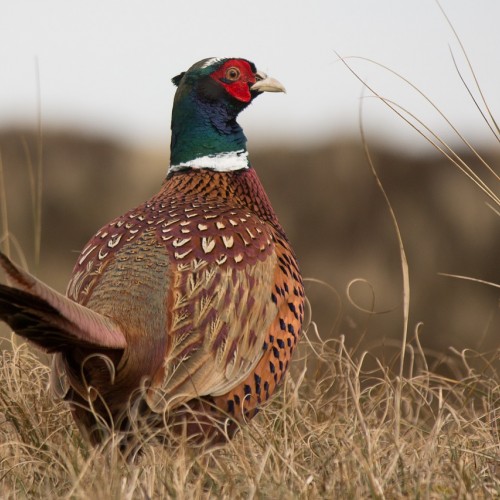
(239, 88)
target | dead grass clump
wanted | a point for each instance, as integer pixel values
(335, 430)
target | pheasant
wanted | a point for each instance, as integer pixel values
(186, 310)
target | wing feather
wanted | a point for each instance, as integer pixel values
(219, 320)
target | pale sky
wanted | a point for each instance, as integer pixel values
(105, 66)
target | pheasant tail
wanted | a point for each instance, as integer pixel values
(50, 320)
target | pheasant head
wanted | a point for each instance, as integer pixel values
(209, 97)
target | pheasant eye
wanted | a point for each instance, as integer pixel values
(232, 74)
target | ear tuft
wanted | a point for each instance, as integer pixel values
(176, 80)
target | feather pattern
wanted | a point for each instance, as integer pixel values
(189, 304)
(230, 277)
(32, 308)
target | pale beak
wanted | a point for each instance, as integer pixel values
(265, 83)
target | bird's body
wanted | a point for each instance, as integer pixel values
(191, 303)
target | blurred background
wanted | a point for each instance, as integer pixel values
(85, 92)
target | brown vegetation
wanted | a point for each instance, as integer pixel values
(333, 212)
(345, 424)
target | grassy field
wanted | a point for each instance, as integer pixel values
(336, 430)
(347, 422)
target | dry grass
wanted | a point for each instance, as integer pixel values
(344, 425)
(336, 429)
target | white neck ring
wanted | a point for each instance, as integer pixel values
(221, 162)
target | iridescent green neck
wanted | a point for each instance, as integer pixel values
(205, 129)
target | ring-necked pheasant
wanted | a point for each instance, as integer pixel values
(187, 308)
